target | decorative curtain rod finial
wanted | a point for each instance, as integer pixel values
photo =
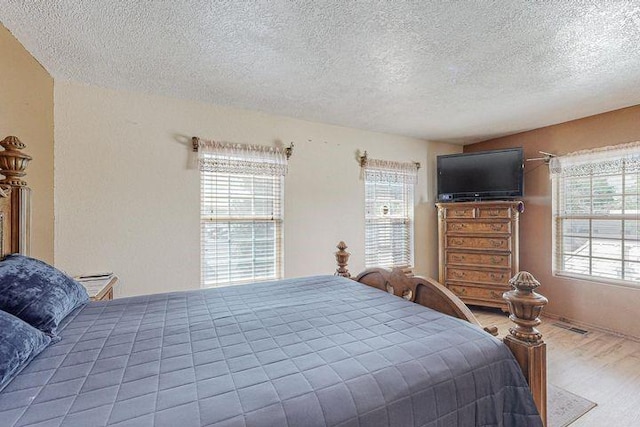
(194, 143)
(289, 151)
(363, 159)
(418, 165)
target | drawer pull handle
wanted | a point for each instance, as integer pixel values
(493, 213)
(458, 274)
(460, 212)
(457, 242)
(494, 260)
(495, 276)
(496, 295)
(497, 243)
(497, 227)
(457, 227)
(457, 258)
(460, 291)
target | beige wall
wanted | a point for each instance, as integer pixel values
(26, 111)
(607, 306)
(127, 195)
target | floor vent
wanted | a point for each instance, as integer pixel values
(571, 328)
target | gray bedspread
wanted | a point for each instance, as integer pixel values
(304, 352)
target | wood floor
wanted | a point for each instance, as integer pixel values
(601, 367)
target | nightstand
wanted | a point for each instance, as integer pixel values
(99, 288)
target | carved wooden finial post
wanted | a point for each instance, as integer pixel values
(342, 258)
(13, 163)
(524, 340)
(525, 306)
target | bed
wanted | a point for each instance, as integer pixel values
(323, 350)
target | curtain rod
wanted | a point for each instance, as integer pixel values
(288, 151)
(365, 157)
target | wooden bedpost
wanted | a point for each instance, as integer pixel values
(342, 258)
(524, 340)
(13, 163)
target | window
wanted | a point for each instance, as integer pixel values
(596, 214)
(241, 213)
(389, 188)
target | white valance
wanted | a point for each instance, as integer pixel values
(241, 158)
(600, 161)
(392, 172)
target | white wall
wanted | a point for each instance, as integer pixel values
(127, 193)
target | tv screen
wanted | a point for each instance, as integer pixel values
(485, 175)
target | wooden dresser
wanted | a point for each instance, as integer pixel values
(478, 249)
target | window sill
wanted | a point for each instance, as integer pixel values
(598, 280)
(241, 283)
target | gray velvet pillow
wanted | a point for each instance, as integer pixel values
(19, 343)
(38, 293)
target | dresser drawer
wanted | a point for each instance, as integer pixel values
(494, 277)
(468, 292)
(498, 243)
(466, 258)
(479, 227)
(494, 212)
(460, 212)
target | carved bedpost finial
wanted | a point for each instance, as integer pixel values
(525, 341)
(13, 162)
(525, 306)
(342, 258)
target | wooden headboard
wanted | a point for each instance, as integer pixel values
(15, 199)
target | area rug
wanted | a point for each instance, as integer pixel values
(564, 407)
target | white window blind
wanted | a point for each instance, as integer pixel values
(389, 188)
(596, 214)
(241, 217)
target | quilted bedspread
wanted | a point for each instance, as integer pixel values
(302, 352)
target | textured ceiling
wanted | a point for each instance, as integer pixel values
(457, 71)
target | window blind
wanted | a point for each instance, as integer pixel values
(389, 189)
(596, 215)
(241, 228)
(242, 190)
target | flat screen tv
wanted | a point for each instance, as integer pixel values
(485, 175)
